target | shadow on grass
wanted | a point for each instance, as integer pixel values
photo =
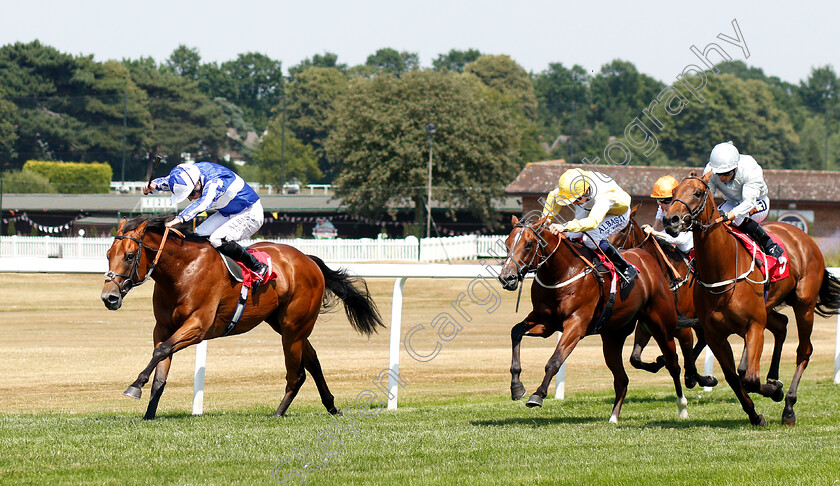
(538, 421)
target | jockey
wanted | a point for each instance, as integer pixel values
(663, 193)
(740, 180)
(239, 213)
(601, 207)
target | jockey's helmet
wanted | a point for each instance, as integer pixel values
(724, 157)
(182, 181)
(573, 184)
(664, 187)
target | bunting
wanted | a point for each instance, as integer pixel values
(284, 218)
(40, 227)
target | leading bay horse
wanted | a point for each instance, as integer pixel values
(674, 267)
(194, 299)
(570, 296)
(731, 296)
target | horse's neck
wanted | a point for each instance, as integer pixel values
(563, 262)
(175, 255)
(715, 250)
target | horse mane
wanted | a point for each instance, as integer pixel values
(156, 223)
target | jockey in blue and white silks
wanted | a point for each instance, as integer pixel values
(239, 213)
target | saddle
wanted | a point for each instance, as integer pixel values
(240, 273)
(777, 271)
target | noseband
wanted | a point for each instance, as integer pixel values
(522, 270)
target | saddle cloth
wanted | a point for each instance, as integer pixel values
(243, 274)
(777, 271)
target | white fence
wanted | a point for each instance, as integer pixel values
(467, 247)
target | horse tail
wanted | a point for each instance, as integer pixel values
(359, 306)
(828, 303)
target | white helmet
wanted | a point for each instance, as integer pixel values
(182, 181)
(724, 157)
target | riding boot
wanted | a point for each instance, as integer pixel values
(756, 232)
(238, 253)
(628, 272)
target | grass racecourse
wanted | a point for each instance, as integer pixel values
(66, 361)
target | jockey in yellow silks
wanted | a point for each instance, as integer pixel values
(601, 208)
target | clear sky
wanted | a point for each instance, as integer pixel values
(785, 39)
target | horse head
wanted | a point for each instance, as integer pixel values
(693, 205)
(126, 266)
(527, 249)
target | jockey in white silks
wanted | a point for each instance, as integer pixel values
(740, 180)
(601, 207)
(663, 194)
(239, 212)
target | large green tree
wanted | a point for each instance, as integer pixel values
(393, 62)
(280, 161)
(620, 93)
(455, 60)
(733, 109)
(380, 141)
(71, 108)
(184, 119)
(311, 99)
(325, 60)
(8, 132)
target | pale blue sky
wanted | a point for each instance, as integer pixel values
(784, 40)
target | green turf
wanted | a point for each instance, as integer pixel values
(466, 441)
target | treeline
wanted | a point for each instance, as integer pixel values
(363, 127)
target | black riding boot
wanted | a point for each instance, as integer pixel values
(238, 253)
(761, 237)
(628, 272)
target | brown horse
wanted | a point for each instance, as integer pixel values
(676, 270)
(194, 299)
(570, 297)
(731, 296)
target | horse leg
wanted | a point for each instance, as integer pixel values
(754, 345)
(776, 324)
(641, 339)
(295, 373)
(313, 366)
(723, 352)
(686, 339)
(703, 380)
(612, 346)
(660, 325)
(186, 335)
(517, 390)
(158, 384)
(804, 324)
(573, 333)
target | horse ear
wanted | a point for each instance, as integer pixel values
(635, 209)
(707, 176)
(514, 220)
(122, 225)
(692, 173)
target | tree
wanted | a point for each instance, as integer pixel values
(620, 93)
(256, 82)
(184, 119)
(742, 111)
(326, 60)
(8, 131)
(185, 61)
(455, 60)
(70, 108)
(280, 162)
(393, 62)
(311, 99)
(382, 147)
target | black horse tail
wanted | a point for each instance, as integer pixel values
(360, 308)
(828, 303)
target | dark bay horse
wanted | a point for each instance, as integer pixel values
(194, 299)
(568, 296)
(675, 269)
(731, 296)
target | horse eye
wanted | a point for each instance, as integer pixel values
(129, 257)
(697, 193)
(529, 244)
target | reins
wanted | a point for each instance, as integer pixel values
(128, 280)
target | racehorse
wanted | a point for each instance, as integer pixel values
(676, 269)
(734, 297)
(194, 299)
(570, 296)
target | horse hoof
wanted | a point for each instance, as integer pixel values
(789, 418)
(759, 421)
(708, 381)
(534, 401)
(133, 392)
(690, 382)
(779, 394)
(517, 392)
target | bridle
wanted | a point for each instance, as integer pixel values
(542, 246)
(133, 279)
(689, 221)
